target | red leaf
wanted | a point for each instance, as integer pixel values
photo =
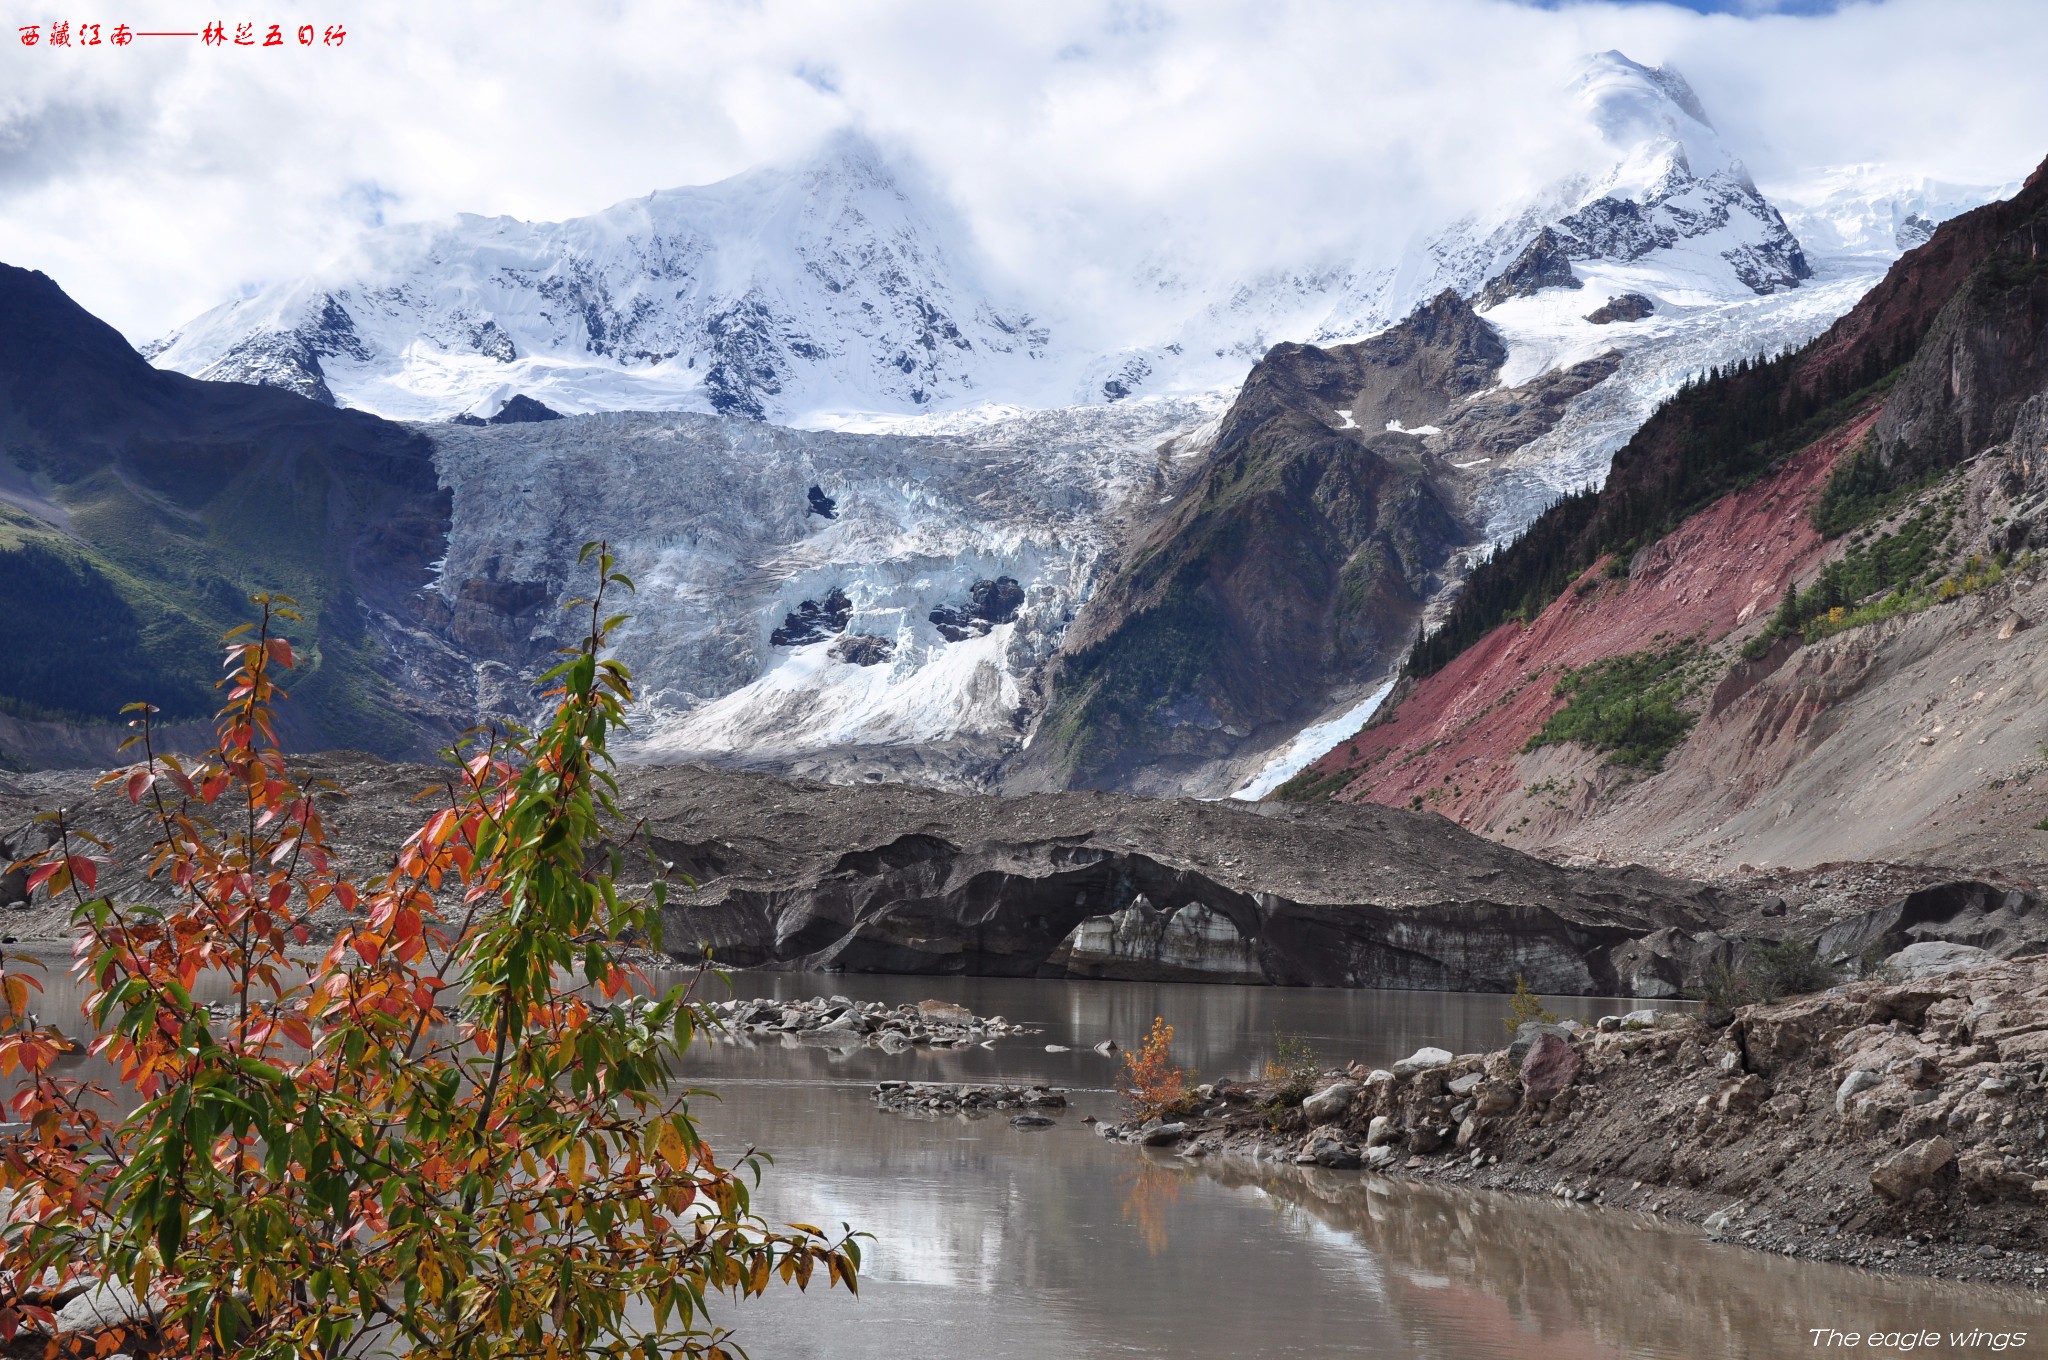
(85, 871)
(138, 784)
(281, 651)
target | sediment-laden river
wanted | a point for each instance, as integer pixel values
(994, 1242)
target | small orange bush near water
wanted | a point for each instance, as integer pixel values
(1151, 1083)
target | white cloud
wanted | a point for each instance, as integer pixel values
(155, 180)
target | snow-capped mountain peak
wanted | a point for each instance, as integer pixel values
(842, 289)
(1651, 119)
(770, 294)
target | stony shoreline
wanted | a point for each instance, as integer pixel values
(1897, 1127)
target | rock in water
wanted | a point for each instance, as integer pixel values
(1163, 1135)
(1031, 1121)
(1551, 1066)
(945, 1012)
(1910, 1170)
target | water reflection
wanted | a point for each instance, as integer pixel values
(997, 1242)
(1000, 1243)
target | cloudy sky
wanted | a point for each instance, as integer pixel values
(157, 179)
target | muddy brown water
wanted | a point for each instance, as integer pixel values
(997, 1243)
(993, 1242)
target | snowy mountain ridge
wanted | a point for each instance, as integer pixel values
(775, 290)
(842, 289)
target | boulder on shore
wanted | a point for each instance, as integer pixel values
(1329, 1103)
(1551, 1065)
(1910, 1170)
(1422, 1060)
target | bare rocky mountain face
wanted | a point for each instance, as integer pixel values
(1325, 518)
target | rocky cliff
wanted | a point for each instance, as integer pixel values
(1324, 518)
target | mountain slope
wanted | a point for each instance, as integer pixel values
(1894, 475)
(844, 286)
(138, 511)
(1301, 561)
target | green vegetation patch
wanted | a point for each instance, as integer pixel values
(1897, 571)
(80, 649)
(1626, 707)
(1859, 490)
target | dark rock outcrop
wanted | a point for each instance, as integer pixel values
(890, 878)
(2005, 921)
(520, 410)
(523, 410)
(1542, 264)
(821, 504)
(814, 620)
(1914, 231)
(1982, 359)
(1107, 886)
(1625, 307)
(988, 604)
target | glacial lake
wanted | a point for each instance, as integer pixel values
(992, 1242)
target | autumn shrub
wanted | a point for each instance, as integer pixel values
(1151, 1084)
(456, 1132)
